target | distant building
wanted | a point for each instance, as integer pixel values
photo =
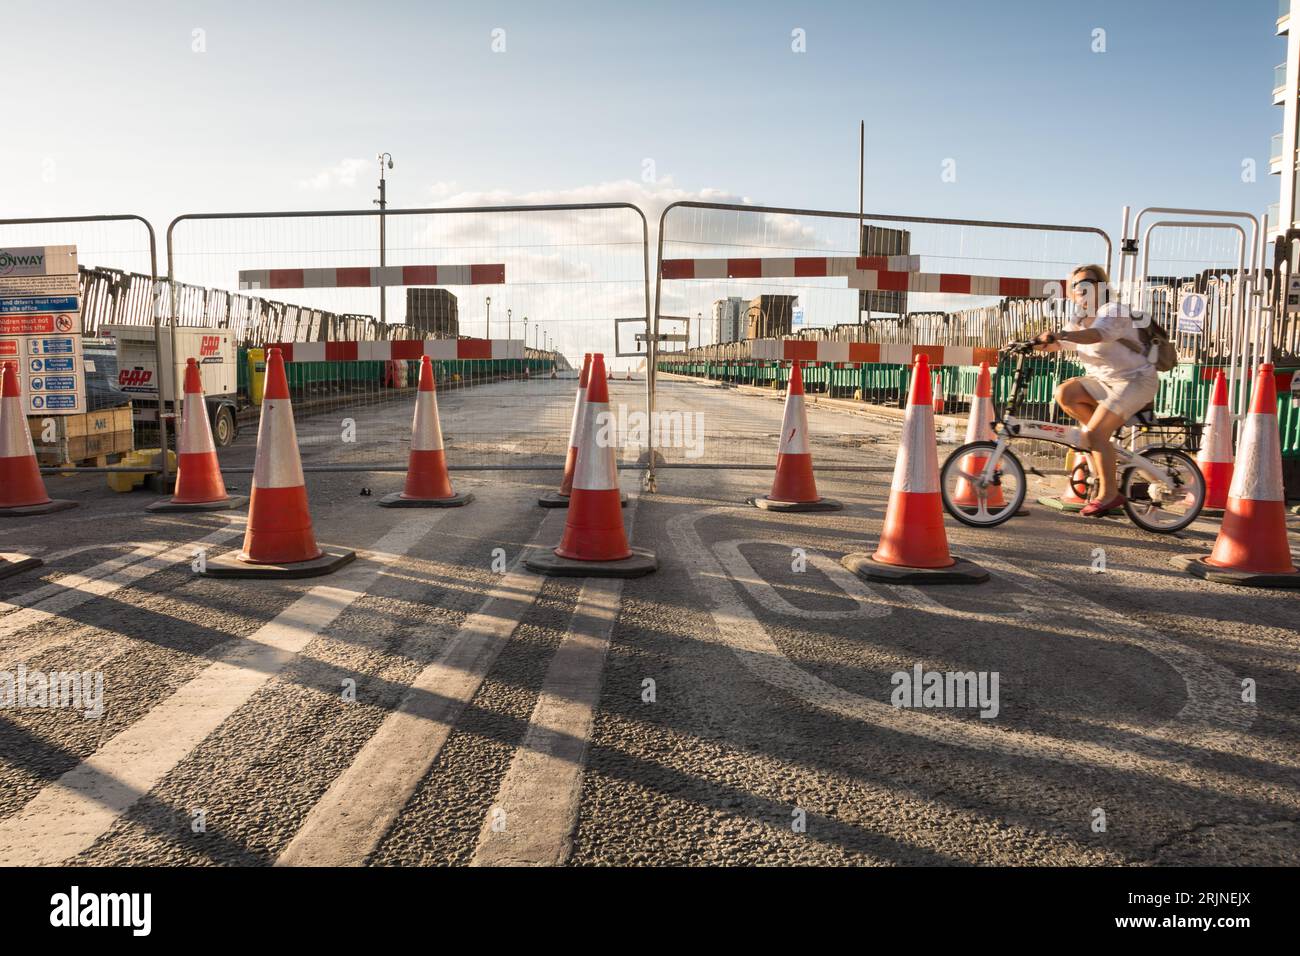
(879, 241)
(770, 316)
(729, 319)
(433, 313)
(1282, 155)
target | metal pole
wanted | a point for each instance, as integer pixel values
(862, 166)
(383, 260)
(487, 323)
(508, 311)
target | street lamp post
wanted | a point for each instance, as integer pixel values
(508, 311)
(488, 321)
(383, 205)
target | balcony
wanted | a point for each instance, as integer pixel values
(1272, 213)
(1275, 154)
(1279, 84)
(1283, 16)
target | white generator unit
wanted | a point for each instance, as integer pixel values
(137, 372)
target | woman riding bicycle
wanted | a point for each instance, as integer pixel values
(1120, 383)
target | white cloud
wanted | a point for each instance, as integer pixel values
(342, 174)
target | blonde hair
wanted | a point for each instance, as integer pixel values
(1095, 272)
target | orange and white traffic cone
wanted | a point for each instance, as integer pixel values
(279, 541)
(938, 393)
(1252, 548)
(199, 485)
(594, 543)
(913, 545)
(1215, 456)
(1078, 466)
(428, 485)
(794, 488)
(979, 427)
(22, 490)
(560, 499)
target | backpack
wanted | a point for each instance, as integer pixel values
(1153, 342)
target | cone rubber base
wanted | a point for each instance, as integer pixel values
(1069, 507)
(1057, 504)
(229, 566)
(546, 561)
(166, 505)
(771, 504)
(25, 511)
(12, 563)
(1194, 564)
(395, 500)
(553, 499)
(869, 569)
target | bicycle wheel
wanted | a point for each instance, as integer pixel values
(1160, 507)
(972, 500)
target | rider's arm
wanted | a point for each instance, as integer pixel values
(1080, 336)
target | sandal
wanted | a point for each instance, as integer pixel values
(1096, 509)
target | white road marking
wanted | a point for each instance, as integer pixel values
(1212, 714)
(73, 590)
(868, 603)
(347, 824)
(540, 793)
(68, 815)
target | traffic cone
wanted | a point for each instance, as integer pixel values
(794, 488)
(22, 491)
(199, 486)
(427, 483)
(279, 541)
(1252, 548)
(938, 393)
(979, 427)
(560, 499)
(1068, 500)
(1215, 456)
(913, 546)
(594, 542)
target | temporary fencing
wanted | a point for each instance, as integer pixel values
(72, 395)
(499, 298)
(855, 297)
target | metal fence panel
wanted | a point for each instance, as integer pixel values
(897, 282)
(548, 279)
(117, 259)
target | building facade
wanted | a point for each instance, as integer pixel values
(729, 319)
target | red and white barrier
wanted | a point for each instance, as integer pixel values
(867, 353)
(365, 277)
(811, 267)
(444, 350)
(871, 273)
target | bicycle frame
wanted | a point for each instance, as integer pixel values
(1007, 427)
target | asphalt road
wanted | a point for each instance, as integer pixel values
(434, 703)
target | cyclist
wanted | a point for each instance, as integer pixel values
(1120, 380)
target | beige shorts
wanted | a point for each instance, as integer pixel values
(1124, 398)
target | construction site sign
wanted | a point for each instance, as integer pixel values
(40, 327)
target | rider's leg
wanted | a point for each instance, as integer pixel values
(1101, 427)
(1074, 399)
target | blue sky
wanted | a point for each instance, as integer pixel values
(289, 102)
(1040, 127)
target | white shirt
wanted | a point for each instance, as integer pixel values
(1110, 359)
